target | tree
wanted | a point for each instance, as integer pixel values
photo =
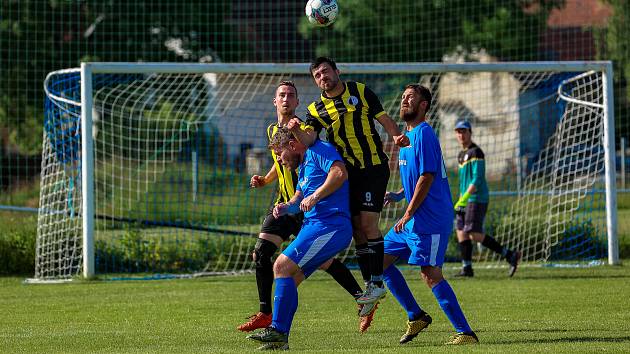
(401, 30)
(617, 49)
(39, 36)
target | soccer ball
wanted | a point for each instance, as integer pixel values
(321, 13)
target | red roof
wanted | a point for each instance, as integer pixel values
(580, 13)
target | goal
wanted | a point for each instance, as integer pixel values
(146, 165)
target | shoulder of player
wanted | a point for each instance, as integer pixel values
(271, 129)
(323, 148)
(476, 152)
(426, 131)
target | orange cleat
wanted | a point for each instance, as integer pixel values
(366, 320)
(259, 320)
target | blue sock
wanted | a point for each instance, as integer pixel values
(399, 288)
(448, 302)
(285, 303)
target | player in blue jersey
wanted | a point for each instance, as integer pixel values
(275, 231)
(322, 194)
(420, 237)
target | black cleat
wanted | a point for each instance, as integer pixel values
(271, 339)
(466, 272)
(514, 260)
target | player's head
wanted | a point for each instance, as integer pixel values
(415, 102)
(289, 150)
(463, 132)
(325, 73)
(286, 98)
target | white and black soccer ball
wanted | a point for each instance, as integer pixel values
(322, 13)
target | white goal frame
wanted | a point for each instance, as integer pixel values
(87, 153)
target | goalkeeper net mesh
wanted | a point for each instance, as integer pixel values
(174, 153)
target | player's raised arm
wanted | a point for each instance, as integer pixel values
(392, 129)
(304, 134)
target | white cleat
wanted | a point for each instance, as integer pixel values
(372, 294)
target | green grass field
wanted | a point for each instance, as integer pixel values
(546, 310)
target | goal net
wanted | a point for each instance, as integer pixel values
(157, 179)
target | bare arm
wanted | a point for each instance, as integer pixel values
(422, 189)
(259, 181)
(305, 136)
(392, 129)
(291, 207)
(337, 175)
(394, 197)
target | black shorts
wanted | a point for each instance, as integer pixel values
(367, 188)
(284, 226)
(471, 219)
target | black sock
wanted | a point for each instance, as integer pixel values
(342, 275)
(264, 272)
(376, 247)
(363, 260)
(465, 249)
(490, 243)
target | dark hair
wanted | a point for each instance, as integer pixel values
(423, 92)
(281, 138)
(321, 60)
(287, 83)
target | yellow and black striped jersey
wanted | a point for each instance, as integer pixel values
(287, 178)
(349, 123)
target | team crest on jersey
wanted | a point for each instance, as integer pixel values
(465, 157)
(353, 100)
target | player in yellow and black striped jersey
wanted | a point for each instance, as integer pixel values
(287, 178)
(276, 230)
(348, 111)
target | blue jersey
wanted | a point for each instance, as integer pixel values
(435, 214)
(313, 173)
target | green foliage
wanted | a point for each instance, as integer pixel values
(17, 244)
(55, 34)
(162, 250)
(509, 30)
(616, 47)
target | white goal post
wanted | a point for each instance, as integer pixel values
(556, 186)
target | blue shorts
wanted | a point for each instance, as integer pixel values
(318, 242)
(417, 249)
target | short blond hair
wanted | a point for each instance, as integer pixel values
(281, 139)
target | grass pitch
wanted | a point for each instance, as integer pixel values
(546, 310)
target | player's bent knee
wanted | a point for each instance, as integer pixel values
(326, 264)
(284, 267)
(263, 251)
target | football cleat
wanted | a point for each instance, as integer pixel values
(414, 328)
(372, 294)
(466, 272)
(463, 338)
(366, 315)
(514, 260)
(259, 320)
(270, 335)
